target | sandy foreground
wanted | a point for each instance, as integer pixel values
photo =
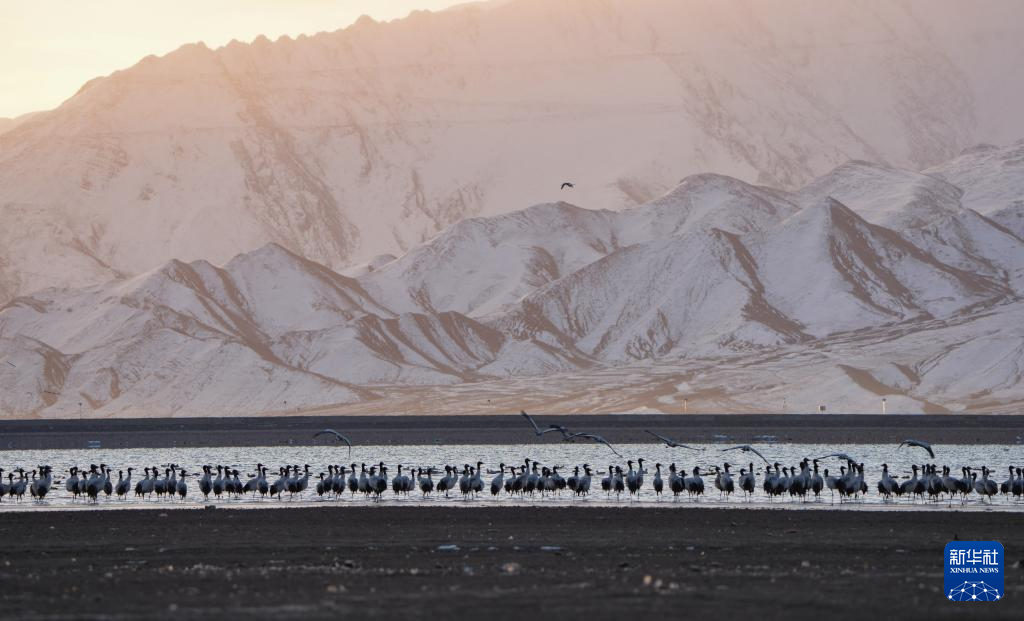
(508, 429)
(530, 562)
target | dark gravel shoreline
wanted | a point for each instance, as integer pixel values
(507, 563)
(495, 429)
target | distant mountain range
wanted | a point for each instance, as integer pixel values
(868, 282)
(373, 139)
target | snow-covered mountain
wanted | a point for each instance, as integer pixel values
(370, 140)
(992, 179)
(936, 215)
(870, 281)
(270, 328)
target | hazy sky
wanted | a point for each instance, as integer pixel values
(49, 48)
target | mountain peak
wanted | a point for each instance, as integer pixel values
(272, 261)
(978, 148)
(710, 179)
(269, 250)
(884, 194)
(826, 210)
(214, 152)
(364, 21)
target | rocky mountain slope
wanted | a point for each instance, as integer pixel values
(346, 145)
(871, 281)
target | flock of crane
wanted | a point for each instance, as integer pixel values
(529, 480)
(802, 482)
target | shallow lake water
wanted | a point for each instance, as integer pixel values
(564, 456)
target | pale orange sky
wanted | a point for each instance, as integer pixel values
(49, 48)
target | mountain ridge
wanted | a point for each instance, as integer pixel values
(346, 145)
(720, 292)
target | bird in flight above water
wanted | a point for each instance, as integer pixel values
(842, 456)
(670, 442)
(918, 443)
(569, 437)
(746, 448)
(537, 430)
(337, 435)
(567, 185)
(566, 436)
